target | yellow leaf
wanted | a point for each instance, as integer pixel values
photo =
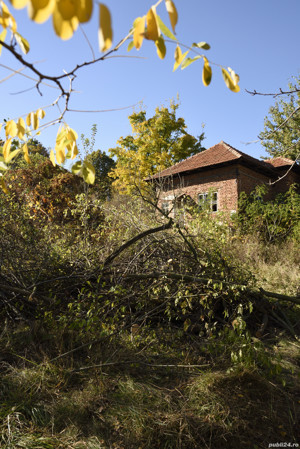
(178, 57)
(4, 15)
(64, 28)
(66, 8)
(3, 186)
(152, 26)
(2, 37)
(19, 4)
(23, 43)
(173, 15)
(6, 149)
(105, 30)
(60, 155)
(52, 157)
(161, 47)
(12, 155)
(72, 134)
(88, 172)
(29, 118)
(233, 86)
(40, 113)
(11, 129)
(84, 9)
(206, 73)
(138, 33)
(21, 128)
(41, 10)
(35, 121)
(26, 155)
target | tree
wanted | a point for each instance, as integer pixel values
(281, 135)
(102, 164)
(156, 143)
(66, 18)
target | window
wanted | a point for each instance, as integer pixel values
(208, 200)
(165, 207)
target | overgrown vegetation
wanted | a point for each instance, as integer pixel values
(122, 329)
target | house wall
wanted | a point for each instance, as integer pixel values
(248, 179)
(229, 182)
(222, 180)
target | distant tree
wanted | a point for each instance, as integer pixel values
(281, 135)
(156, 143)
(102, 164)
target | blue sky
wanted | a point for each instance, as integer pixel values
(258, 39)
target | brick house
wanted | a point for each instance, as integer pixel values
(218, 176)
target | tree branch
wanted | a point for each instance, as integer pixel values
(136, 239)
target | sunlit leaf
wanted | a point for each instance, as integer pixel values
(84, 10)
(179, 57)
(152, 26)
(40, 10)
(3, 186)
(229, 81)
(66, 8)
(2, 37)
(130, 46)
(161, 47)
(235, 77)
(206, 73)
(11, 128)
(22, 42)
(3, 166)
(26, 155)
(203, 45)
(35, 121)
(5, 16)
(164, 29)
(41, 113)
(28, 119)
(60, 154)
(21, 128)
(173, 16)
(138, 33)
(19, 4)
(77, 168)
(105, 33)
(12, 155)
(88, 172)
(6, 149)
(189, 61)
(64, 28)
(52, 158)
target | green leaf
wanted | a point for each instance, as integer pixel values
(161, 47)
(189, 61)
(22, 42)
(77, 168)
(203, 45)
(88, 172)
(164, 29)
(130, 46)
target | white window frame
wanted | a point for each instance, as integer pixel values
(210, 199)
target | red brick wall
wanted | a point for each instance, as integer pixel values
(229, 182)
(221, 180)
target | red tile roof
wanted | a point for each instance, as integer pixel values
(214, 156)
(280, 162)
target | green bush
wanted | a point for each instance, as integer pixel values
(273, 221)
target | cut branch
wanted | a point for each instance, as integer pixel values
(136, 239)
